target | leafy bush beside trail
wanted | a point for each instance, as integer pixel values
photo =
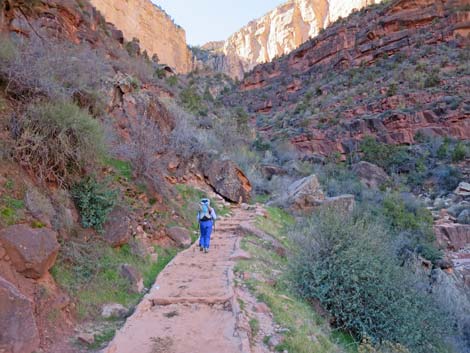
(95, 201)
(347, 263)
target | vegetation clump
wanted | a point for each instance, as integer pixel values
(346, 262)
(58, 140)
(95, 201)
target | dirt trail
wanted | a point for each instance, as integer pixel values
(192, 308)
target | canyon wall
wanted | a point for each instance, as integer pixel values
(279, 32)
(157, 33)
(296, 94)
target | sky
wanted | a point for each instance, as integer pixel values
(208, 20)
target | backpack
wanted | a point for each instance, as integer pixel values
(205, 210)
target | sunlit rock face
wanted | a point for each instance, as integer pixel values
(155, 30)
(280, 31)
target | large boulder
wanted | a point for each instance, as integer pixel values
(18, 331)
(453, 236)
(117, 227)
(32, 251)
(180, 236)
(228, 180)
(114, 311)
(304, 194)
(39, 206)
(340, 203)
(370, 174)
(463, 189)
(464, 217)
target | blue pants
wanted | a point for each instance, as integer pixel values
(206, 230)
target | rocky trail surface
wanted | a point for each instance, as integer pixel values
(192, 307)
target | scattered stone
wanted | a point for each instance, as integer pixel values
(340, 203)
(464, 217)
(40, 206)
(117, 227)
(32, 251)
(134, 277)
(261, 308)
(154, 257)
(86, 338)
(440, 203)
(228, 180)
(240, 255)
(247, 207)
(463, 189)
(453, 236)
(117, 34)
(180, 236)
(18, 330)
(444, 264)
(455, 209)
(113, 311)
(370, 174)
(269, 170)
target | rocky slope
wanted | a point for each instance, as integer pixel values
(155, 30)
(277, 33)
(383, 71)
(53, 51)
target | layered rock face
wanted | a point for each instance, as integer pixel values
(277, 33)
(152, 27)
(298, 96)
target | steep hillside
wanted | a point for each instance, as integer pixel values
(154, 29)
(393, 71)
(277, 33)
(93, 152)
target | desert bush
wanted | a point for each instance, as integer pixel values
(57, 140)
(459, 153)
(346, 262)
(407, 214)
(447, 177)
(144, 145)
(192, 101)
(241, 117)
(94, 201)
(337, 179)
(456, 302)
(389, 157)
(58, 70)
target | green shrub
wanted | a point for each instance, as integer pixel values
(192, 101)
(392, 89)
(405, 216)
(8, 49)
(389, 157)
(172, 81)
(459, 153)
(432, 79)
(94, 201)
(346, 263)
(241, 118)
(58, 140)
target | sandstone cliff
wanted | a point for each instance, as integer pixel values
(153, 27)
(279, 32)
(369, 75)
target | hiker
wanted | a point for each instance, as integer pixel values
(206, 217)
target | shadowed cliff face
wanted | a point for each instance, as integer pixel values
(278, 32)
(384, 71)
(152, 27)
